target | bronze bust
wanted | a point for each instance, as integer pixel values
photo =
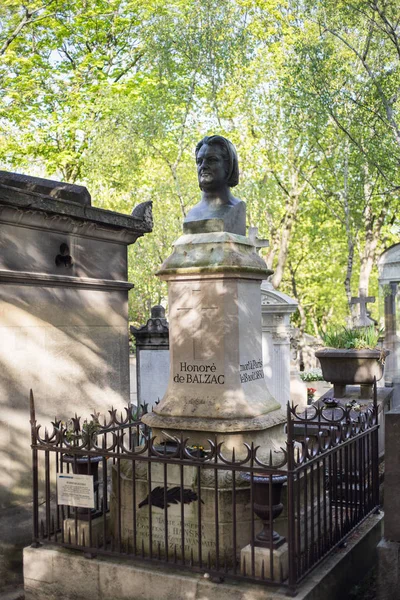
(217, 172)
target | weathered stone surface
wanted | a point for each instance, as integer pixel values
(115, 580)
(83, 531)
(206, 507)
(388, 569)
(282, 380)
(46, 187)
(218, 252)
(389, 278)
(32, 251)
(63, 318)
(24, 207)
(152, 344)
(216, 370)
(262, 562)
(392, 475)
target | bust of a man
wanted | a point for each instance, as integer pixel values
(217, 172)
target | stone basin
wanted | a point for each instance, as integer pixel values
(351, 366)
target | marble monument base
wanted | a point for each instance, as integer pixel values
(158, 530)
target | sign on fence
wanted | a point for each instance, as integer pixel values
(75, 490)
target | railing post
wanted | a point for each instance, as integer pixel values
(291, 504)
(35, 474)
(375, 450)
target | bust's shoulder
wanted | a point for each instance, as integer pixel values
(235, 201)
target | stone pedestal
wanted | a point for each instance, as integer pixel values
(216, 391)
(81, 534)
(216, 382)
(262, 562)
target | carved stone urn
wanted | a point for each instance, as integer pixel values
(267, 506)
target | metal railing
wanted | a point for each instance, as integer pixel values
(250, 516)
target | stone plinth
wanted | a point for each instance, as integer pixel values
(47, 575)
(262, 562)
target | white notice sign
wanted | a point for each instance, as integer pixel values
(75, 490)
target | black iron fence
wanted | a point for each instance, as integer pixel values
(269, 518)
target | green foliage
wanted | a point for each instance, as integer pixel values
(358, 338)
(115, 94)
(312, 375)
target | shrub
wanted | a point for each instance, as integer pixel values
(312, 375)
(358, 338)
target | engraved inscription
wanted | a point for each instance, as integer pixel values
(251, 371)
(204, 374)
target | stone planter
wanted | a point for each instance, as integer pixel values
(341, 367)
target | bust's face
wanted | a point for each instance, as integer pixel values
(211, 167)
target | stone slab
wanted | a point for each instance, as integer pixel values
(153, 375)
(47, 187)
(122, 580)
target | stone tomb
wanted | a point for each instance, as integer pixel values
(63, 320)
(216, 387)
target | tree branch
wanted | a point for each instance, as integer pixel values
(27, 19)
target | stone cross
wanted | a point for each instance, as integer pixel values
(363, 319)
(258, 243)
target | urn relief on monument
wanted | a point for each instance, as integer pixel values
(216, 381)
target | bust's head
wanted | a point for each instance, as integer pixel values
(217, 163)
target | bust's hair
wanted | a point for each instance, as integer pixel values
(229, 152)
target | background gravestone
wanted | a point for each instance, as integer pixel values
(283, 381)
(152, 358)
(389, 279)
(63, 322)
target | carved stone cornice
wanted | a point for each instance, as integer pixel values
(28, 209)
(48, 280)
